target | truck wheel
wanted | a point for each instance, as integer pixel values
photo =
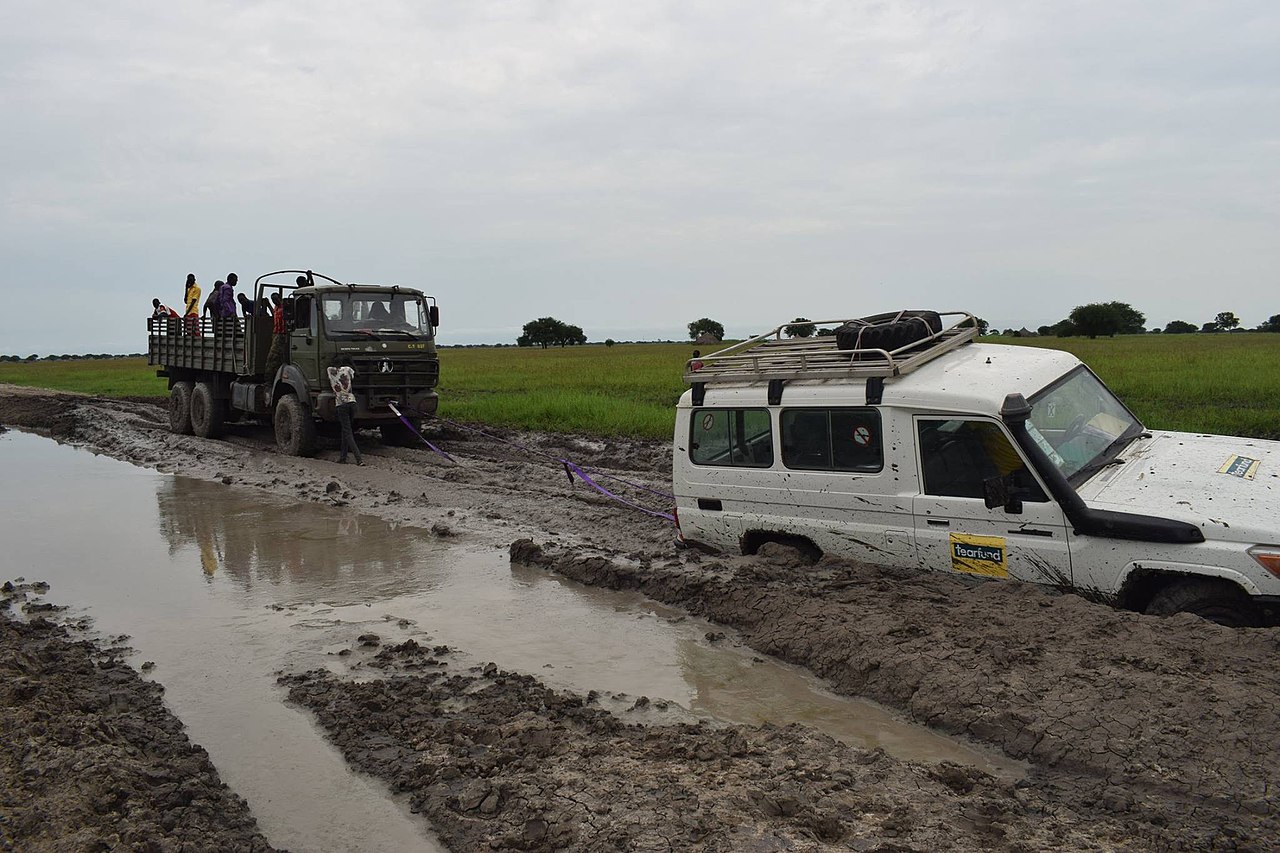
(397, 434)
(180, 408)
(295, 429)
(208, 413)
(1209, 598)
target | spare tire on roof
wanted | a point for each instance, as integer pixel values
(889, 332)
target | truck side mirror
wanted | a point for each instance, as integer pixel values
(999, 492)
(433, 314)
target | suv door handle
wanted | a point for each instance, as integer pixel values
(938, 522)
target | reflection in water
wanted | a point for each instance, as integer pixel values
(255, 540)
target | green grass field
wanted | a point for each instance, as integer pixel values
(1224, 383)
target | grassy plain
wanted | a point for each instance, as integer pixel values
(1223, 383)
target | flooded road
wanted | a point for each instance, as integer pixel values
(223, 588)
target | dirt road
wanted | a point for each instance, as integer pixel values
(1142, 733)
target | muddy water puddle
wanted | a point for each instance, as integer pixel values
(223, 588)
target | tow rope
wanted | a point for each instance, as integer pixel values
(570, 468)
(414, 430)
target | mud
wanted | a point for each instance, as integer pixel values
(496, 760)
(90, 759)
(1142, 733)
(1172, 721)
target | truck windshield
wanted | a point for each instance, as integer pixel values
(1080, 424)
(378, 315)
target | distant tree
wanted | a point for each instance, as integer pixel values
(1226, 320)
(1155, 330)
(705, 325)
(544, 332)
(524, 341)
(826, 333)
(570, 335)
(800, 327)
(1044, 330)
(1096, 318)
(32, 357)
(1210, 326)
(1131, 320)
(1271, 325)
(1064, 329)
(609, 342)
(983, 325)
(1179, 327)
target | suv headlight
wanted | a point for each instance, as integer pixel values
(1268, 556)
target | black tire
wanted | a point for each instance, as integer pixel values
(396, 434)
(1209, 598)
(295, 428)
(180, 408)
(208, 412)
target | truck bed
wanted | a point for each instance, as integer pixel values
(208, 345)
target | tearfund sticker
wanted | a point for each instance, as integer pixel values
(1240, 466)
(979, 555)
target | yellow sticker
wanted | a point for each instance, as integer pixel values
(1240, 466)
(979, 555)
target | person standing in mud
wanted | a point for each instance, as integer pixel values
(341, 375)
(279, 333)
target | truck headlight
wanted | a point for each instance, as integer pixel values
(1268, 556)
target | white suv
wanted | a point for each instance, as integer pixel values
(1005, 462)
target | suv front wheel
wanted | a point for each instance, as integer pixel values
(1209, 598)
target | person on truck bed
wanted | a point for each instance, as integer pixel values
(211, 304)
(341, 375)
(246, 305)
(227, 300)
(191, 299)
(160, 311)
(279, 331)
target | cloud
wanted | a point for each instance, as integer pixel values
(653, 161)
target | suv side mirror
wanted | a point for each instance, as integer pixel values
(999, 492)
(433, 314)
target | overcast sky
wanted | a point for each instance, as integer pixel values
(631, 166)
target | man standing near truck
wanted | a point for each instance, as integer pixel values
(279, 334)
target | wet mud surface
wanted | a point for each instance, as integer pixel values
(1141, 733)
(90, 759)
(496, 760)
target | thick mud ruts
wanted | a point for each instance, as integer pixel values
(498, 761)
(90, 759)
(1172, 722)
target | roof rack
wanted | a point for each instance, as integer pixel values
(770, 356)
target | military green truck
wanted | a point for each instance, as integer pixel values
(217, 368)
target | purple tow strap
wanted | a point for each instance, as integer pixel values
(569, 466)
(414, 429)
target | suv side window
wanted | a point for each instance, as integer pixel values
(737, 437)
(957, 456)
(832, 439)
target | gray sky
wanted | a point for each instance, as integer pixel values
(629, 167)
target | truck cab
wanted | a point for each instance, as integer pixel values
(982, 460)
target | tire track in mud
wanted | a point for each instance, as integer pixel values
(497, 760)
(1171, 721)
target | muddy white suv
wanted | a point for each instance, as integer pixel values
(999, 461)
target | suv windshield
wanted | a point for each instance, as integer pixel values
(361, 314)
(1080, 424)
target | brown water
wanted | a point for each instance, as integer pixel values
(224, 588)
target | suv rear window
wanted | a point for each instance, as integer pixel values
(832, 439)
(738, 437)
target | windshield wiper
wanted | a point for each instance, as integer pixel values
(397, 332)
(1107, 456)
(368, 332)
